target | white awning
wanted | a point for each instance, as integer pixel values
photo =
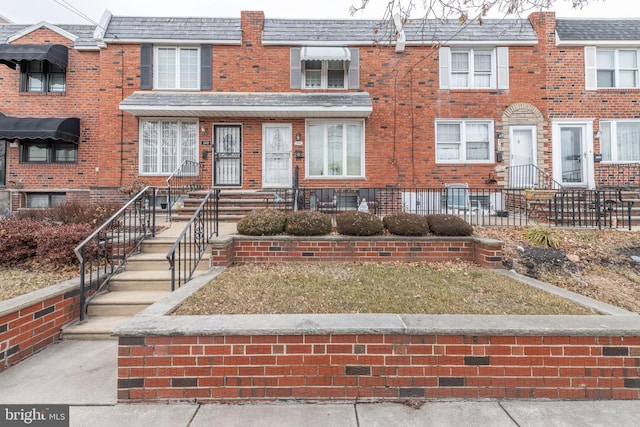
(325, 53)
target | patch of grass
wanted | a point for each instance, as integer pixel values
(21, 280)
(443, 288)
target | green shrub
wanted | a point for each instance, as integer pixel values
(262, 222)
(543, 236)
(354, 223)
(56, 243)
(449, 225)
(18, 240)
(406, 224)
(308, 223)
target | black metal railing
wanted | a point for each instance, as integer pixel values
(105, 251)
(184, 179)
(480, 206)
(530, 176)
(190, 247)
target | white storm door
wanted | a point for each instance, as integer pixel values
(276, 160)
(523, 157)
(572, 146)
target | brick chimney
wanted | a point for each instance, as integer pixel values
(252, 25)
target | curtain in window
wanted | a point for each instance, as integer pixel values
(482, 69)
(166, 68)
(315, 143)
(605, 141)
(149, 146)
(449, 139)
(354, 150)
(628, 68)
(188, 68)
(189, 141)
(335, 149)
(628, 141)
(477, 136)
(169, 147)
(459, 69)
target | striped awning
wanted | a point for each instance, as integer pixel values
(325, 53)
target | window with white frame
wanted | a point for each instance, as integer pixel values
(324, 74)
(473, 68)
(335, 149)
(464, 141)
(166, 144)
(617, 68)
(177, 68)
(620, 141)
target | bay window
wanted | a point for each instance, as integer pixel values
(335, 149)
(464, 141)
(165, 144)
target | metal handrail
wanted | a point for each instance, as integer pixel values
(187, 170)
(105, 251)
(189, 248)
(523, 175)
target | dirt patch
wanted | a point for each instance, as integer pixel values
(599, 264)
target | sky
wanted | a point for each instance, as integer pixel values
(52, 11)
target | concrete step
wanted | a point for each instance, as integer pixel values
(93, 328)
(160, 245)
(158, 261)
(142, 280)
(123, 303)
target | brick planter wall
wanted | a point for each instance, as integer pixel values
(228, 365)
(244, 249)
(30, 322)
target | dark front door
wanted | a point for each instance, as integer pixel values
(227, 155)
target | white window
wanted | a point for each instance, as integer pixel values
(464, 141)
(177, 68)
(324, 74)
(617, 68)
(165, 144)
(473, 68)
(335, 149)
(620, 141)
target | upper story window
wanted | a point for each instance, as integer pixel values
(474, 68)
(177, 68)
(317, 67)
(620, 141)
(49, 151)
(460, 141)
(42, 76)
(617, 68)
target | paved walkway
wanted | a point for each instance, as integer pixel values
(83, 374)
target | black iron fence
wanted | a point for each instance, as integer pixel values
(105, 251)
(190, 247)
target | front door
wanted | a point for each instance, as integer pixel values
(227, 155)
(276, 161)
(523, 157)
(571, 161)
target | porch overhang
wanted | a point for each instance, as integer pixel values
(248, 104)
(64, 129)
(12, 54)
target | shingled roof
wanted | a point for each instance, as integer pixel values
(84, 33)
(353, 32)
(169, 28)
(598, 29)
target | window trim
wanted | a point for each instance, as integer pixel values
(463, 143)
(47, 77)
(51, 146)
(617, 67)
(49, 196)
(613, 149)
(177, 48)
(325, 148)
(471, 73)
(178, 153)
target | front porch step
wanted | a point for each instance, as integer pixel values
(123, 303)
(158, 261)
(93, 328)
(142, 280)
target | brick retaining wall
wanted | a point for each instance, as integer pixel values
(244, 249)
(30, 322)
(372, 366)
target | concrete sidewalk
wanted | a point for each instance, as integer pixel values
(83, 374)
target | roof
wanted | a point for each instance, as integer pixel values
(11, 54)
(65, 129)
(598, 30)
(179, 29)
(248, 104)
(336, 32)
(84, 33)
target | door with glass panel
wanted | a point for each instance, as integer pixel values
(276, 162)
(522, 158)
(227, 155)
(573, 155)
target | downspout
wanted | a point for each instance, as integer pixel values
(122, 121)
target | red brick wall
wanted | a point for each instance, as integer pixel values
(29, 329)
(243, 250)
(376, 367)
